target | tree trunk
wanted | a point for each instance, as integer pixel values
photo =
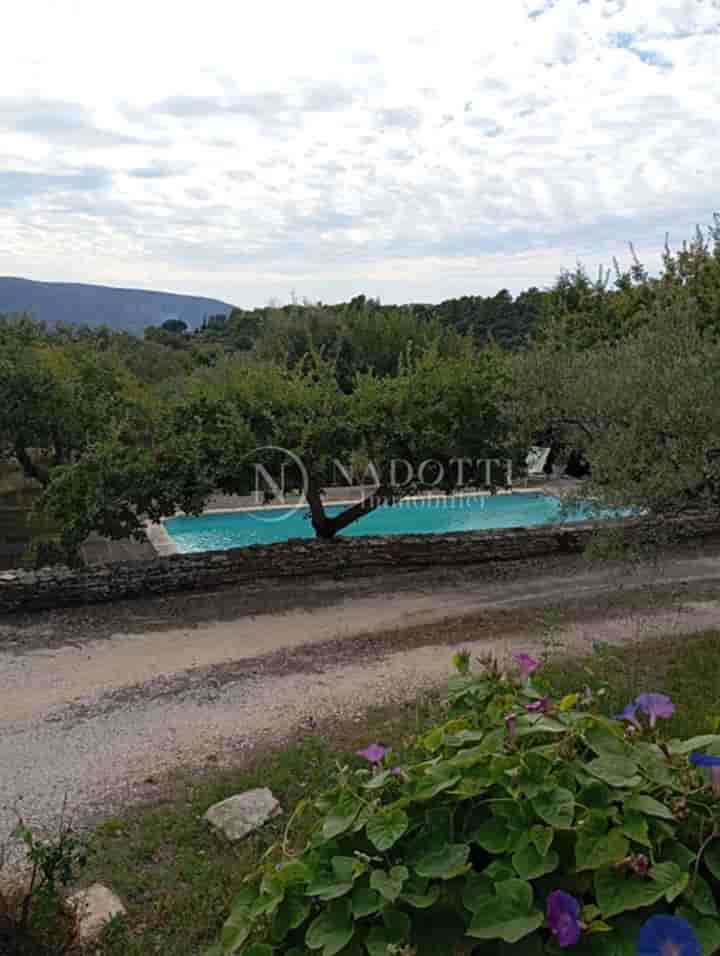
(326, 528)
(30, 469)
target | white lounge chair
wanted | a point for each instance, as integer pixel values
(536, 460)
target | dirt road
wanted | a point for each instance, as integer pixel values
(100, 704)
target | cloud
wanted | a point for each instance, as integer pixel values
(159, 170)
(59, 121)
(399, 118)
(333, 148)
(17, 186)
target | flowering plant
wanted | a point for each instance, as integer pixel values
(527, 826)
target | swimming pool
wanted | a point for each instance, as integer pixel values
(237, 529)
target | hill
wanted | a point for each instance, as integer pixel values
(130, 310)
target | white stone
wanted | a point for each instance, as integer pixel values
(244, 813)
(94, 908)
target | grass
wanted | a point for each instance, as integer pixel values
(685, 668)
(177, 880)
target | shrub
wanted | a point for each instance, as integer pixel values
(35, 921)
(525, 826)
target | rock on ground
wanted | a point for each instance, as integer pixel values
(95, 907)
(237, 816)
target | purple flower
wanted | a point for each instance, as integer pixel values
(629, 714)
(542, 706)
(640, 864)
(713, 764)
(562, 913)
(374, 753)
(654, 706)
(668, 936)
(511, 725)
(526, 664)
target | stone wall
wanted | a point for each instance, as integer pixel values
(58, 586)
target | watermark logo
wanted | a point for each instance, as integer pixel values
(281, 481)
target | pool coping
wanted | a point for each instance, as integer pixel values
(165, 545)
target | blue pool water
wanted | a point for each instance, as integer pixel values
(217, 532)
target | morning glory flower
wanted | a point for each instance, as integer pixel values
(654, 706)
(562, 913)
(511, 727)
(374, 753)
(629, 714)
(668, 936)
(526, 664)
(713, 764)
(542, 706)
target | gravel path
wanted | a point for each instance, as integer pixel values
(100, 705)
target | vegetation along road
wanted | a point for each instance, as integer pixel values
(104, 704)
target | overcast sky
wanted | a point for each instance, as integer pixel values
(408, 149)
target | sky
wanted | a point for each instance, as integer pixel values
(404, 149)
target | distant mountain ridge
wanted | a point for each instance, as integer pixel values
(78, 303)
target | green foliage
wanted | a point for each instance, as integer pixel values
(468, 842)
(34, 920)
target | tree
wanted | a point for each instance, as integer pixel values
(210, 438)
(177, 326)
(57, 397)
(644, 409)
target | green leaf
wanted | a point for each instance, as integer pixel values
(292, 912)
(676, 852)
(596, 795)
(673, 880)
(510, 916)
(342, 816)
(331, 930)
(394, 932)
(328, 889)
(500, 870)
(555, 806)
(711, 858)
(479, 890)
(259, 949)
(620, 941)
(365, 902)
(653, 764)
(441, 778)
(617, 771)
(448, 862)
(416, 893)
(235, 931)
(531, 724)
(385, 829)
(378, 780)
(700, 897)
(593, 851)
(530, 865)
(618, 891)
(635, 826)
(294, 872)
(693, 743)
(389, 884)
(492, 835)
(469, 757)
(649, 806)
(542, 838)
(707, 930)
(606, 743)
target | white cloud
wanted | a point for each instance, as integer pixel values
(411, 149)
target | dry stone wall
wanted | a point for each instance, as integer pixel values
(58, 586)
